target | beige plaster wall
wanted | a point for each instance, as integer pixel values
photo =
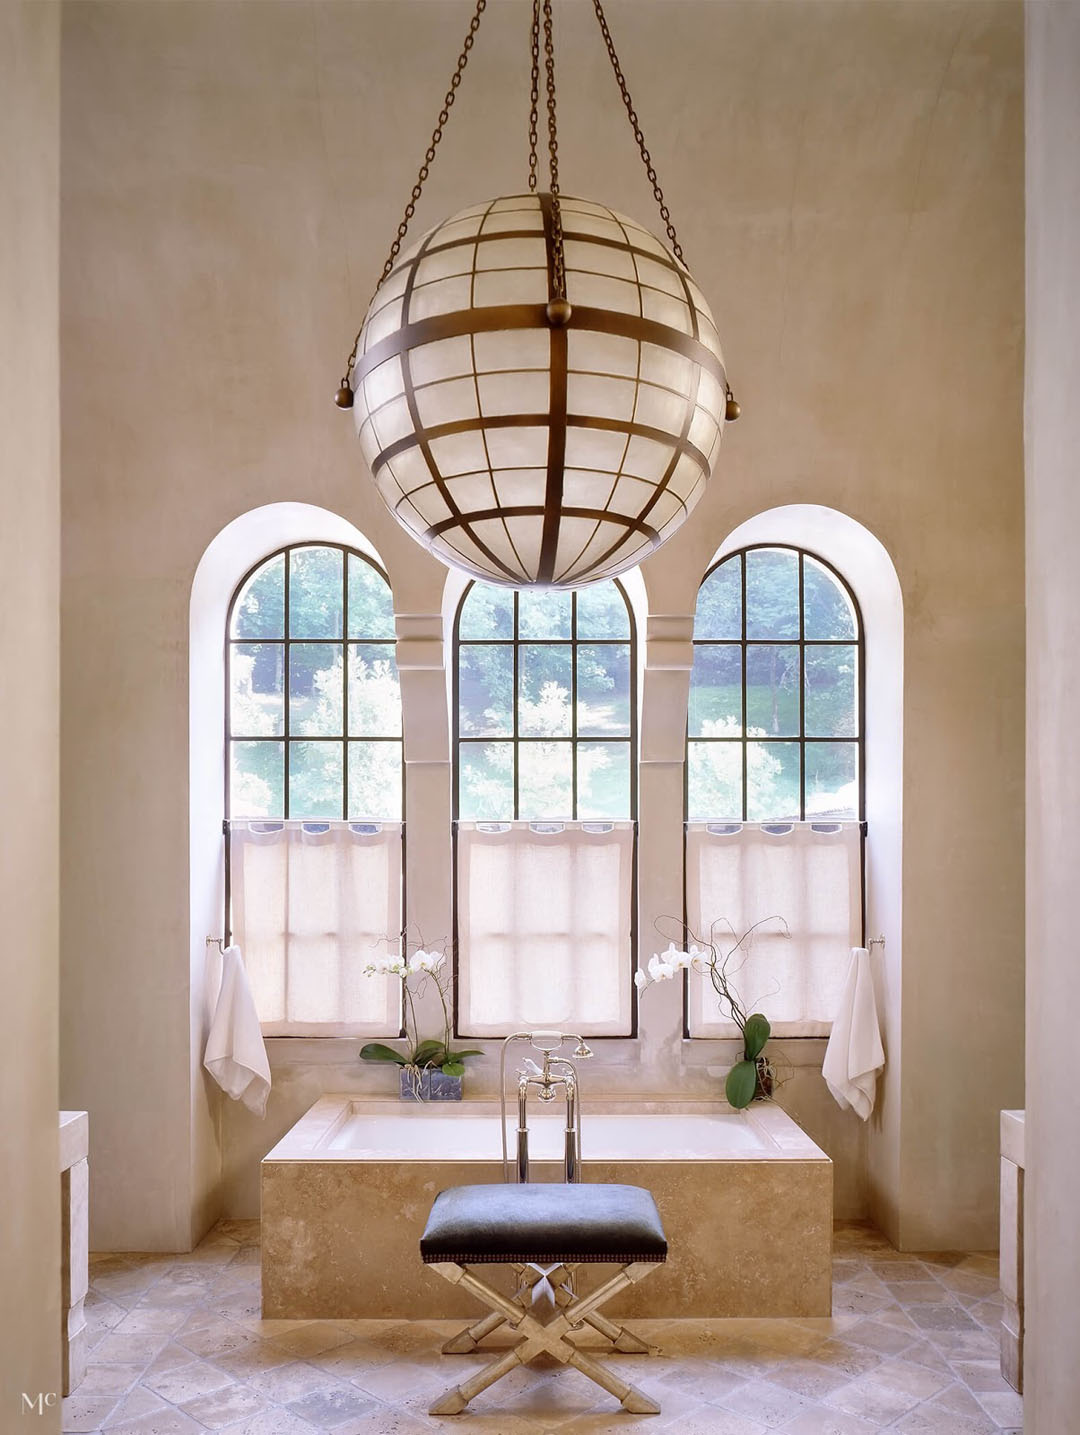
(847, 182)
(1052, 1135)
(29, 755)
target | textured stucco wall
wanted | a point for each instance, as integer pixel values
(1052, 441)
(29, 675)
(847, 183)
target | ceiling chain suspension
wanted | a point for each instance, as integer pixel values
(534, 98)
(344, 398)
(558, 263)
(631, 114)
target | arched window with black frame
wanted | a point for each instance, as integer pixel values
(775, 783)
(314, 788)
(545, 801)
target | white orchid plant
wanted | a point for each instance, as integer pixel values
(417, 970)
(752, 1077)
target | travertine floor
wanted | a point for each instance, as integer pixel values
(178, 1346)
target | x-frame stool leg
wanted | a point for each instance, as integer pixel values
(571, 1313)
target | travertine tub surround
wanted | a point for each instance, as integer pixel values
(746, 1200)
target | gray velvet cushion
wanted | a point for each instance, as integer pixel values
(543, 1224)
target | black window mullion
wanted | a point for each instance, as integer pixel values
(345, 682)
(802, 694)
(745, 734)
(286, 685)
(514, 721)
(573, 707)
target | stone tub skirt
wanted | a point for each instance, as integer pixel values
(745, 1198)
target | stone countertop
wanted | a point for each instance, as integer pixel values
(1012, 1136)
(74, 1138)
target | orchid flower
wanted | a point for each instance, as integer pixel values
(422, 961)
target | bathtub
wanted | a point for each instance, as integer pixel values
(746, 1200)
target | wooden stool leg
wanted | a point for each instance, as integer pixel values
(466, 1341)
(623, 1340)
(455, 1400)
(628, 1396)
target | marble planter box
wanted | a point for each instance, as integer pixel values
(746, 1200)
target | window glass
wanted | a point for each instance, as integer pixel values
(775, 692)
(298, 691)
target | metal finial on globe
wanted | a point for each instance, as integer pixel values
(731, 408)
(520, 449)
(558, 313)
(344, 397)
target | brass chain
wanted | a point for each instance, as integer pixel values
(558, 263)
(534, 98)
(425, 168)
(646, 157)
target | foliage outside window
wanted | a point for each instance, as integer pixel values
(774, 731)
(545, 714)
(314, 710)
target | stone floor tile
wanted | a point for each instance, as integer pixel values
(873, 1400)
(909, 1293)
(850, 1299)
(385, 1422)
(225, 1406)
(171, 1357)
(160, 1422)
(846, 1359)
(138, 1403)
(312, 1338)
(1005, 1407)
(819, 1421)
(214, 1340)
(900, 1270)
(394, 1382)
(704, 1382)
(941, 1317)
(186, 1382)
(287, 1383)
(807, 1377)
(108, 1379)
(151, 1319)
(137, 1348)
(250, 1359)
(275, 1420)
(86, 1412)
(982, 1375)
(327, 1409)
(879, 1336)
(761, 1400)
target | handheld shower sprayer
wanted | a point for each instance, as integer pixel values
(556, 1072)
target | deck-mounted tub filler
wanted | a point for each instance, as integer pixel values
(745, 1198)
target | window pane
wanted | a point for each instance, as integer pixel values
(827, 609)
(772, 690)
(488, 612)
(604, 690)
(375, 780)
(374, 692)
(716, 691)
(772, 781)
(544, 686)
(486, 690)
(543, 614)
(486, 781)
(714, 781)
(256, 784)
(604, 780)
(772, 594)
(719, 603)
(545, 780)
(601, 612)
(259, 611)
(257, 706)
(832, 779)
(316, 780)
(371, 607)
(315, 690)
(830, 691)
(315, 593)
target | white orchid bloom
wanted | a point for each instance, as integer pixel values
(641, 981)
(395, 965)
(698, 958)
(659, 969)
(422, 961)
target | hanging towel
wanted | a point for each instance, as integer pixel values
(854, 1055)
(235, 1051)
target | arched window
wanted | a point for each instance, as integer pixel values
(314, 781)
(314, 706)
(545, 793)
(776, 692)
(775, 783)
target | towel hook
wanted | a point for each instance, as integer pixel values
(218, 942)
(876, 942)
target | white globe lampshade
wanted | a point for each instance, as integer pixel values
(522, 446)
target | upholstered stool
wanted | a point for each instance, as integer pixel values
(544, 1231)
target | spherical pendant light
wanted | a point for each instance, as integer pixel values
(532, 448)
(538, 386)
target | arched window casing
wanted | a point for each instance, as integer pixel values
(545, 796)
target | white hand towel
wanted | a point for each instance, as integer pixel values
(235, 1051)
(854, 1055)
